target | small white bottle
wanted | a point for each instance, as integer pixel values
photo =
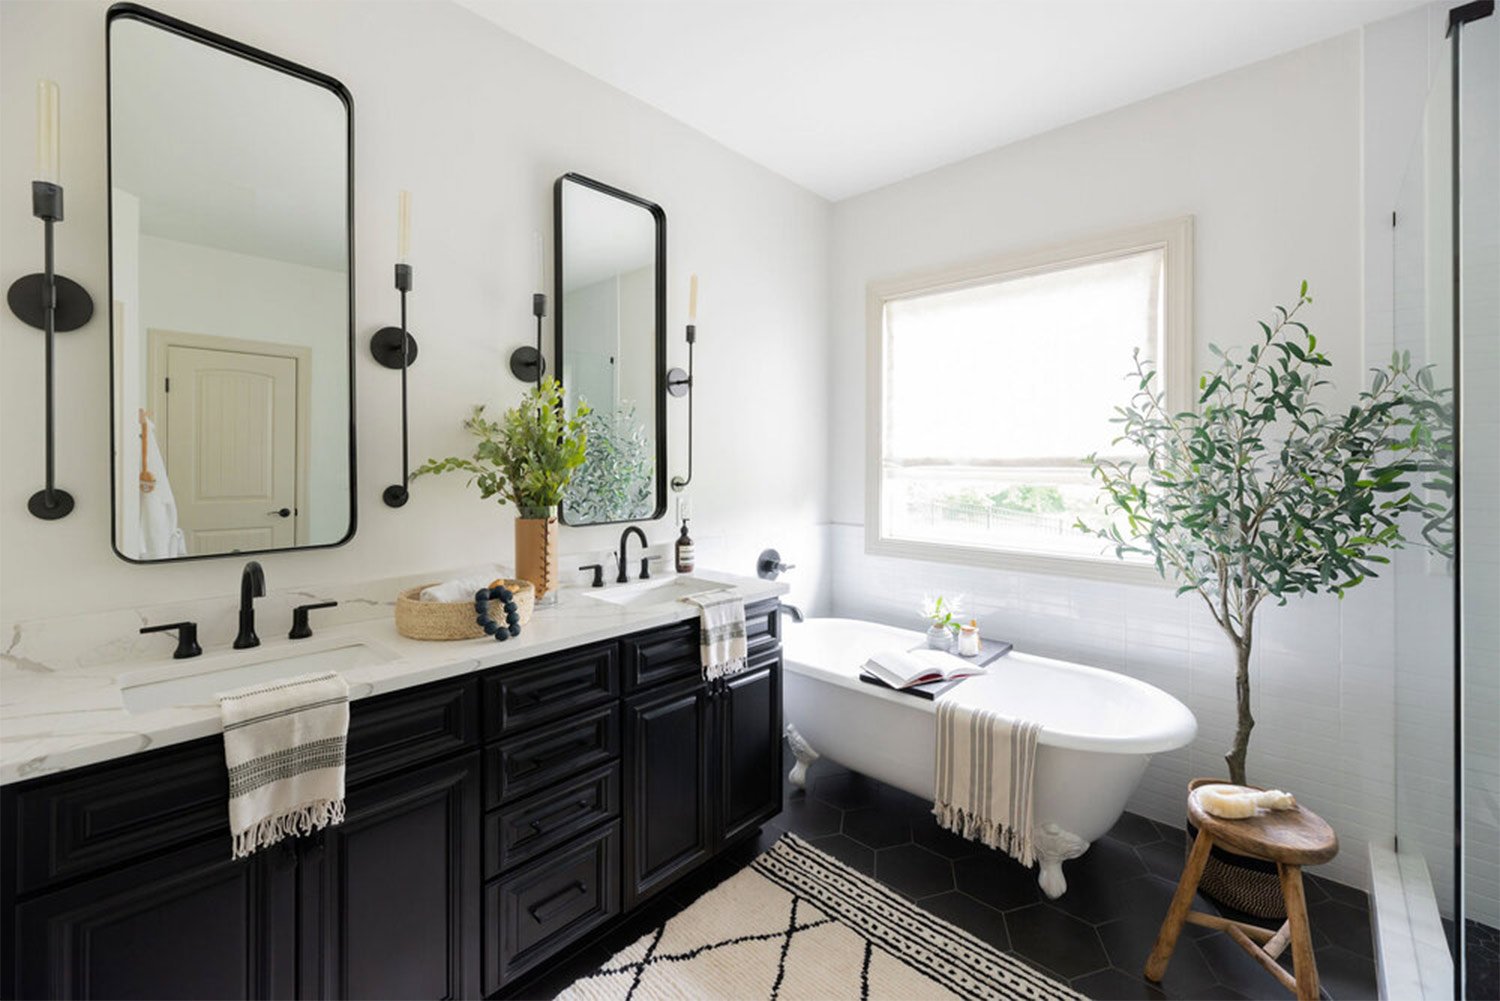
(968, 639)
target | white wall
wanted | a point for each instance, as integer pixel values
(1267, 159)
(476, 124)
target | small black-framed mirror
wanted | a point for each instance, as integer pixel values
(610, 330)
(231, 193)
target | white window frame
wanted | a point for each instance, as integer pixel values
(1174, 237)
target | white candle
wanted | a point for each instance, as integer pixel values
(48, 134)
(403, 227)
(693, 300)
(540, 274)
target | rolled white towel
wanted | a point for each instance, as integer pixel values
(459, 588)
(1236, 802)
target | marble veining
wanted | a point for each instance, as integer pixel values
(61, 705)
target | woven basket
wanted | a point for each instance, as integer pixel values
(452, 620)
(1246, 884)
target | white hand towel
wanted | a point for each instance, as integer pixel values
(986, 764)
(721, 642)
(460, 588)
(284, 745)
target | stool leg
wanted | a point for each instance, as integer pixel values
(1304, 965)
(1182, 902)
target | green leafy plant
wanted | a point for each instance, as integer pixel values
(1261, 493)
(615, 482)
(942, 613)
(528, 456)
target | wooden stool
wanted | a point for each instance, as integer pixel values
(1289, 838)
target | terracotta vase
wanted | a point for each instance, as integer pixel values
(536, 551)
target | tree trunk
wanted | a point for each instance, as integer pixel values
(1236, 756)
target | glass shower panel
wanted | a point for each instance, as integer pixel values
(1478, 102)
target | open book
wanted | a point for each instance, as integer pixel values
(906, 668)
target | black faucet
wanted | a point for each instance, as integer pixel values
(252, 586)
(624, 544)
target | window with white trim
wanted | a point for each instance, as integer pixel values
(990, 384)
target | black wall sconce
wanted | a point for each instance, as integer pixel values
(48, 301)
(527, 363)
(394, 347)
(680, 383)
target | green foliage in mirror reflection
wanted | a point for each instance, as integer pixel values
(615, 482)
(1260, 492)
(529, 456)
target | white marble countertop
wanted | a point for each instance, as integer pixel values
(56, 718)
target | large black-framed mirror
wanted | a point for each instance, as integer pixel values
(610, 326)
(231, 295)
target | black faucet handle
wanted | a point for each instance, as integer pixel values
(187, 638)
(598, 569)
(300, 628)
(646, 562)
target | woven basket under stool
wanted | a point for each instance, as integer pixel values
(452, 620)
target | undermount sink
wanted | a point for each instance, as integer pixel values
(655, 592)
(200, 681)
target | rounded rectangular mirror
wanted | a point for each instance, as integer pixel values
(611, 330)
(231, 296)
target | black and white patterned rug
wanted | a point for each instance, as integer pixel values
(798, 923)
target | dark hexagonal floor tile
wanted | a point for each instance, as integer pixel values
(1346, 895)
(929, 835)
(877, 827)
(979, 920)
(1169, 833)
(1128, 941)
(997, 880)
(846, 790)
(1106, 861)
(1163, 858)
(1347, 976)
(810, 817)
(1056, 940)
(899, 802)
(1097, 901)
(1134, 829)
(914, 871)
(1342, 925)
(848, 851)
(1233, 966)
(1113, 985)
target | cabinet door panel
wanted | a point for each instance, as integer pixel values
(749, 724)
(667, 804)
(191, 924)
(392, 895)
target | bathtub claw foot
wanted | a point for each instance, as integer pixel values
(1054, 846)
(804, 754)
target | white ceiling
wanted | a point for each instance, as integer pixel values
(842, 96)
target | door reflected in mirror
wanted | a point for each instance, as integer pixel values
(611, 339)
(230, 288)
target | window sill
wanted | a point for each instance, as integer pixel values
(1018, 561)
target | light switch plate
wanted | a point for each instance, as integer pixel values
(684, 507)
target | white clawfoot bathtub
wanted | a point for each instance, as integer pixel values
(1099, 728)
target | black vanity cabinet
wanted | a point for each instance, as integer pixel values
(493, 822)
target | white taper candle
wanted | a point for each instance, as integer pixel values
(403, 227)
(48, 133)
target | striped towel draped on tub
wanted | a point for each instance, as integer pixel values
(284, 744)
(986, 764)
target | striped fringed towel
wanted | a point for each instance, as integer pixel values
(284, 745)
(721, 641)
(985, 769)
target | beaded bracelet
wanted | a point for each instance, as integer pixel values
(500, 630)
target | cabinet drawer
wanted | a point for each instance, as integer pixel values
(543, 757)
(558, 686)
(547, 819)
(762, 625)
(661, 655)
(532, 914)
(103, 817)
(403, 728)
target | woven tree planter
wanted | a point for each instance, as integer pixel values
(1245, 884)
(536, 550)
